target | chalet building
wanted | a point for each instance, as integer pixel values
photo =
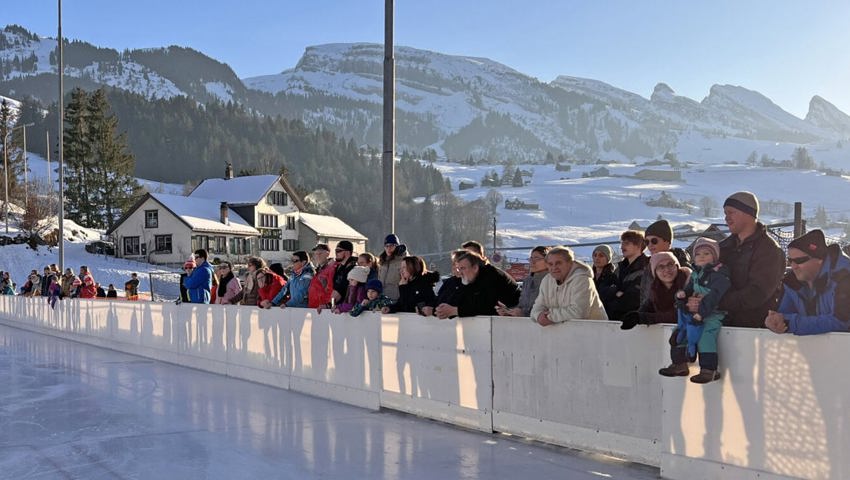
(232, 218)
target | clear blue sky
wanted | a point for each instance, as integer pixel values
(787, 50)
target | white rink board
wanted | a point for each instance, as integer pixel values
(583, 384)
(439, 369)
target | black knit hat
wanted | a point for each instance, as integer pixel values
(812, 243)
(745, 202)
(660, 229)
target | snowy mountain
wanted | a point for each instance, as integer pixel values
(461, 106)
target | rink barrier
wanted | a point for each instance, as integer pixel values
(779, 410)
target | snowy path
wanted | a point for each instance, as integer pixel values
(69, 410)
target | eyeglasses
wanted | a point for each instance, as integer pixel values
(295, 260)
(533, 259)
(338, 250)
(667, 266)
(799, 260)
(654, 240)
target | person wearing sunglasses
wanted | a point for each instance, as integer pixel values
(344, 262)
(296, 291)
(756, 265)
(659, 238)
(816, 292)
(624, 297)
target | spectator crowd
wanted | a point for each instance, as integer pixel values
(746, 280)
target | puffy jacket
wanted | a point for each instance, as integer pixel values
(199, 283)
(353, 296)
(756, 267)
(88, 288)
(341, 276)
(419, 290)
(232, 290)
(575, 299)
(321, 286)
(629, 280)
(530, 290)
(389, 272)
(298, 288)
(272, 287)
(823, 308)
(250, 291)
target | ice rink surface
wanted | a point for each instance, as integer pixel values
(72, 411)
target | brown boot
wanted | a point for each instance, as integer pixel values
(705, 376)
(675, 370)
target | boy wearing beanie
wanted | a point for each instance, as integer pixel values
(697, 332)
(375, 299)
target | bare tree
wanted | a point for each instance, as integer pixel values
(707, 204)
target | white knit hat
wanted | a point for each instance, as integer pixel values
(359, 274)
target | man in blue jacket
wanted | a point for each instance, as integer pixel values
(816, 293)
(199, 283)
(297, 286)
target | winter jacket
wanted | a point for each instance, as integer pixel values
(450, 291)
(756, 267)
(530, 289)
(710, 282)
(34, 286)
(684, 261)
(199, 283)
(574, 299)
(250, 291)
(131, 288)
(7, 288)
(273, 286)
(353, 296)
(341, 275)
(418, 292)
(492, 285)
(389, 272)
(660, 307)
(88, 288)
(45, 284)
(321, 286)
(67, 282)
(297, 288)
(823, 308)
(629, 279)
(232, 289)
(605, 280)
(372, 306)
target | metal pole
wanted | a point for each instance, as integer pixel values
(49, 183)
(26, 179)
(61, 68)
(798, 215)
(494, 234)
(388, 158)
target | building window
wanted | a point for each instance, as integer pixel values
(290, 245)
(290, 222)
(131, 246)
(151, 218)
(218, 245)
(268, 221)
(278, 198)
(200, 241)
(162, 243)
(240, 246)
(269, 244)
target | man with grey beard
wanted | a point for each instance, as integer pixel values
(484, 287)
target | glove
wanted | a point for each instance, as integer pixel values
(630, 320)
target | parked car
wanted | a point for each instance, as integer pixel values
(101, 248)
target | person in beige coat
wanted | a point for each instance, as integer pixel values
(568, 292)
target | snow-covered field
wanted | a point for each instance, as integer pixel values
(582, 210)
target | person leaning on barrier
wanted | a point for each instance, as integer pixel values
(344, 262)
(624, 296)
(484, 287)
(567, 292)
(229, 288)
(756, 265)
(668, 278)
(530, 286)
(199, 282)
(295, 292)
(250, 289)
(659, 238)
(816, 293)
(449, 292)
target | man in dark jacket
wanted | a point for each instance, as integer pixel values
(45, 281)
(816, 292)
(756, 265)
(484, 286)
(345, 261)
(624, 297)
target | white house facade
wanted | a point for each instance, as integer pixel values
(166, 229)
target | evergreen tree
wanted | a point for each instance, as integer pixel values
(112, 166)
(518, 181)
(802, 160)
(77, 156)
(8, 118)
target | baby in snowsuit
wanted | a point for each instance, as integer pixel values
(697, 332)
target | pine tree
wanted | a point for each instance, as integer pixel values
(8, 118)
(112, 165)
(77, 156)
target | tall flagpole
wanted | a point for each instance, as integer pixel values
(388, 158)
(61, 261)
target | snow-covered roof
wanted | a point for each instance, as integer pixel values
(203, 214)
(236, 191)
(326, 226)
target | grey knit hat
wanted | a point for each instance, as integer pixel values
(745, 202)
(605, 250)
